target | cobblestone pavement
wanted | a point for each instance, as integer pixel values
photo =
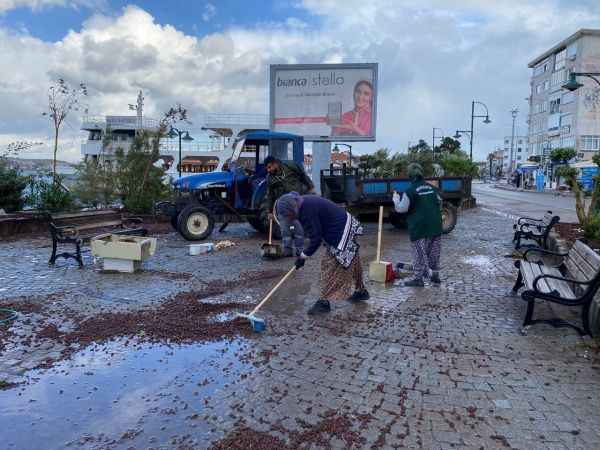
(433, 368)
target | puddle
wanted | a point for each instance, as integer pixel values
(481, 262)
(115, 396)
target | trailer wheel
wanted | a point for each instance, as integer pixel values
(449, 217)
(195, 223)
(397, 220)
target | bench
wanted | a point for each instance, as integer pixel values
(528, 228)
(573, 282)
(67, 229)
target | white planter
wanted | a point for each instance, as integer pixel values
(122, 253)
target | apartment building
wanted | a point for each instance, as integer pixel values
(520, 152)
(557, 117)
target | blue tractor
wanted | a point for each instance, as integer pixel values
(235, 194)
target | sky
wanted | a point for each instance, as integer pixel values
(435, 57)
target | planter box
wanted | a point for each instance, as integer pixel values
(122, 253)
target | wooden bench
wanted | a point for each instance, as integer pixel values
(68, 228)
(528, 228)
(573, 282)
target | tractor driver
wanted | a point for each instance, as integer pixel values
(283, 178)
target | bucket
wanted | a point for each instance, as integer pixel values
(199, 249)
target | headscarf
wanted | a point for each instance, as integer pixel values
(415, 171)
(287, 207)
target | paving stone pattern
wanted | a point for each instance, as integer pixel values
(434, 368)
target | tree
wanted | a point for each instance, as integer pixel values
(562, 155)
(423, 155)
(448, 145)
(585, 215)
(138, 179)
(62, 99)
(12, 185)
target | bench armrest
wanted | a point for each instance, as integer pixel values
(527, 219)
(541, 250)
(554, 277)
(64, 229)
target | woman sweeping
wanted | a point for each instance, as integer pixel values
(323, 221)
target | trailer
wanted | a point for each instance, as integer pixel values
(362, 195)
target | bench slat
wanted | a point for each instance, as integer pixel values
(108, 223)
(589, 255)
(574, 269)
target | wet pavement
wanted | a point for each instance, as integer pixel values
(434, 368)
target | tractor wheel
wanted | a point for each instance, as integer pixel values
(449, 217)
(195, 223)
(174, 219)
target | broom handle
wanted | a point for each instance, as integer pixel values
(270, 230)
(379, 233)
(277, 286)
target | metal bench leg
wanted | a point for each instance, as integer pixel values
(585, 317)
(52, 260)
(78, 255)
(518, 283)
(529, 314)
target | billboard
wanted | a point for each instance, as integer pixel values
(325, 102)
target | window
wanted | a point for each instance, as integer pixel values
(506, 141)
(590, 142)
(541, 68)
(519, 149)
(518, 157)
(559, 78)
(567, 97)
(546, 85)
(555, 106)
(572, 51)
(560, 59)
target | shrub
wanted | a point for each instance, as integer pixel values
(12, 185)
(96, 185)
(458, 164)
(592, 228)
(49, 194)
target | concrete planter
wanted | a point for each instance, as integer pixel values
(122, 253)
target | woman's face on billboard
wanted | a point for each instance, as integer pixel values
(363, 96)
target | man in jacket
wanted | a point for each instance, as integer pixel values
(282, 178)
(421, 202)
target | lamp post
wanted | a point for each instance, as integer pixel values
(433, 138)
(486, 120)
(173, 133)
(573, 84)
(337, 149)
(514, 113)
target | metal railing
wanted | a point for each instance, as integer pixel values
(261, 120)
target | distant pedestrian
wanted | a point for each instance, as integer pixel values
(284, 177)
(324, 222)
(421, 202)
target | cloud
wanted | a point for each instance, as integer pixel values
(435, 57)
(37, 5)
(210, 11)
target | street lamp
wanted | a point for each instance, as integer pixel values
(486, 120)
(573, 84)
(433, 137)
(337, 149)
(173, 133)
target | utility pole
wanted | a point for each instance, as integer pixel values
(514, 113)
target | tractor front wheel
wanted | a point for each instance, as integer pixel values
(195, 223)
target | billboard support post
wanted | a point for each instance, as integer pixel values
(321, 155)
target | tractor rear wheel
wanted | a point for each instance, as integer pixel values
(195, 223)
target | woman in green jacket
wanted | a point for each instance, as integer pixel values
(421, 203)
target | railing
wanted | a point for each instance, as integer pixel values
(116, 122)
(261, 120)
